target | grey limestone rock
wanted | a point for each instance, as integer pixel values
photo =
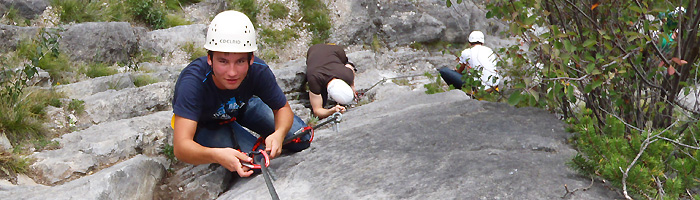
(107, 42)
(86, 151)
(135, 178)
(28, 9)
(440, 146)
(12, 35)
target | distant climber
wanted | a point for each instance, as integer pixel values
(329, 74)
(478, 57)
(219, 94)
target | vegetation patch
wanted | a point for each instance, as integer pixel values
(77, 106)
(193, 51)
(278, 10)
(94, 70)
(143, 80)
(153, 13)
(248, 7)
(11, 164)
(620, 97)
(11, 16)
(316, 14)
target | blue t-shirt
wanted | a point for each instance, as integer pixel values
(197, 98)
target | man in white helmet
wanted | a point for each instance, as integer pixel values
(479, 57)
(219, 94)
(329, 74)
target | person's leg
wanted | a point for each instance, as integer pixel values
(219, 137)
(451, 77)
(259, 118)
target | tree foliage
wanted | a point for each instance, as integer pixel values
(619, 72)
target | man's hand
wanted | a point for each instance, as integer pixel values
(231, 159)
(273, 144)
(337, 108)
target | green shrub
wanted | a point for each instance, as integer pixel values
(45, 144)
(12, 17)
(607, 154)
(77, 105)
(248, 7)
(78, 11)
(169, 152)
(94, 70)
(148, 11)
(177, 4)
(143, 80)
(278, 10)
(39, 99)
(172, 20)
(277, 37)
(316, 14)
(14, 163)
(18, 122)
(193, 51)
(434, 87)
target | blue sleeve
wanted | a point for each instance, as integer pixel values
(188, 92)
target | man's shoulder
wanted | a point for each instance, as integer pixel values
(482, 48)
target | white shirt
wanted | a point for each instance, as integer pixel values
(482, 57)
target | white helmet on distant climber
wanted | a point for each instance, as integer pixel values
(476, 36)
(340, 91)
(231, 31)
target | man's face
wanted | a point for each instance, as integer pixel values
(229, 69)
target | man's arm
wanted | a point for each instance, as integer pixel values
(461, 68)
(189, 151)
(316, 101)
(284, 117)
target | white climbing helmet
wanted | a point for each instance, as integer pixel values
(340, 91)
(231, 31)
(476, 36)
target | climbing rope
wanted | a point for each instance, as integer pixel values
(386, 79)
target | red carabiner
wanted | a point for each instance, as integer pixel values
(267, 158)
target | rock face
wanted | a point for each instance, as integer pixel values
(107, 42)
(410, 145)
(404, 22)
(28, 9)
(132, 179)
(11, 35)
(84, 152)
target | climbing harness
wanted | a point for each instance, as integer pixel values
(261, 160)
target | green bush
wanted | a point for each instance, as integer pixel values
(143, 80)
(94, 70)
(316, 14)
(13, 163)
(277, 37)
(615, 82)
(278, 10)
(149, 12)
(661, 161)
(172, 20)
(77, 105)
(19, 122)
(248, 7)
(436, 86)
(169, 152)
(11, 17)
(193, 51)
(177, 4)
(78, 11)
